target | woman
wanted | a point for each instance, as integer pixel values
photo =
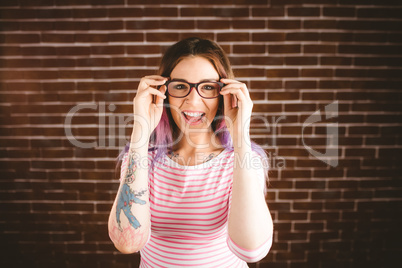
(198, 199)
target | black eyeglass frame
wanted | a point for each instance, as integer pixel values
(193, 85)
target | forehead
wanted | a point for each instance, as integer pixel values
(194, 69)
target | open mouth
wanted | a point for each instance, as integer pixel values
(193, 118)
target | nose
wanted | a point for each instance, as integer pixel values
(193, 96)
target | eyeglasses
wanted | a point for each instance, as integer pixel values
(180, 88)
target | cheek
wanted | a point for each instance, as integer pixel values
(173, 104)
(214, 107)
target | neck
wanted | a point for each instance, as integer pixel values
(200, 142)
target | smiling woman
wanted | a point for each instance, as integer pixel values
(197, 203)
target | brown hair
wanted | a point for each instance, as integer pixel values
(195, 46)
(192, 47)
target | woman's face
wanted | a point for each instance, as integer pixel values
(193, 111)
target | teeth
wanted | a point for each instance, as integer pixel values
(193, 114)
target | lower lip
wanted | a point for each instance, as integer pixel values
(193, 122)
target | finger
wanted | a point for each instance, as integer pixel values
(155, 77)
(227, 80)
(159, 100)
(242, 86)
(227, 102)
(151, 82)
(234, 91)
(156, 92)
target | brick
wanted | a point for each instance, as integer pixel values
(336, 60)
(227, 37)
(335, 205)
(368, 130)
(178, 24)
(21, 38)
(295, 174)
(212, 24)
(368, 49)
(331, 49)
(300, 107)
(284, 24)
(266, 61)
(165, 36)
(244, 2)
(331, 84)
(108, 50)
(303, 12)
(129, 12)
(292, 216)
(249, 49)
(319, 24)
(326, 195)
(268, 36)
(142, 24)
(249, 24)
(284, 96)
(379, 12)
(301, 60)
(319, 236)
(300, 84)
(368, 25)
(310, 184)
(249, 72)
(291, 256)
(160, 12)
(317, 72)
(214, 12)
(284, 49)
(328, 216)
(267, 12)
(302, 36)
(282, 73)
(339, 12)
(290, 236)
(318, 96)
(20, 13)
(377, 61)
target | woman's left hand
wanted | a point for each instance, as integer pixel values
(237, 118)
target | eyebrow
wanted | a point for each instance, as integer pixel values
(203, 80)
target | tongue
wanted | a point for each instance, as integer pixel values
(193, 118)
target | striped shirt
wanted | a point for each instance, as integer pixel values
(189, 212)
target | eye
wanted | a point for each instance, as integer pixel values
(179, 86)
(209, 86)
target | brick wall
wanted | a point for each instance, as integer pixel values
(75, 65)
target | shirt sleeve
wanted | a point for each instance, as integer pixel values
(254, 255)
(259, 253)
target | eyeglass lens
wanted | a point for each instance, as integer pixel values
(181, 89)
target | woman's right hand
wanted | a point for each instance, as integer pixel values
(145, 110)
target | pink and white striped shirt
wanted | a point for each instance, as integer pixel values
(189, 211)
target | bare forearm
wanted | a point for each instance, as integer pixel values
(250, 223)
(129, 220)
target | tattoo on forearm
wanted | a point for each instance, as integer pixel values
(125, 201)
(128, 236)
(132, 167)
(127, 196)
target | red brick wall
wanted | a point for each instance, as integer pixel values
(296, 58)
